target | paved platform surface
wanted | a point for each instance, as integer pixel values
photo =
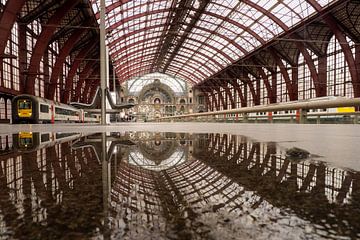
(338, 145)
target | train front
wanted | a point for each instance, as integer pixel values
(24, 109)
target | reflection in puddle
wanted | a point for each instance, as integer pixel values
(169, 186)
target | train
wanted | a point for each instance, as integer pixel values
(32, 109)
(324, 113)
(32, 141)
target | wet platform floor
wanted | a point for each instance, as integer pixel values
(152, 185)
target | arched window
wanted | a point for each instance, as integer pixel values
(2, 109)
(8, 108)
(338, 74)
(306, 87)
(157, 101)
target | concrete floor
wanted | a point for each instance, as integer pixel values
(336, 144)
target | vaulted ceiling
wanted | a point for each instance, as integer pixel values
(194, 39)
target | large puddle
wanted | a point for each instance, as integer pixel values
(141, 185)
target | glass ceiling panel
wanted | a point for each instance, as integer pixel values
(214, 41)
(176, 84)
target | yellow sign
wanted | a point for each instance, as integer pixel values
(25, 134)
(345, 109)
(25, 113)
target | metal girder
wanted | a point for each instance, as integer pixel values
(63, 53)
(312, 68)
(134, 62)
(41, 9)
(125, 57)
(142, 66)
(243, 76)
(135, 71)
(204, 29)
(88, 83)
(42, 43)
(209, 90)
(7, 20)
(214, 103)
(92, 92)
(216, 87)
(176, 46)
(271, 90)
(112, 7)
(125, 36)
(302, 49)
(83, 75)
(169, 41)
(191, 24)
(237, 87)
(289, 84)
(70, 28)
(227, 90)
(74, 67)
(331, 22)
(143, 40)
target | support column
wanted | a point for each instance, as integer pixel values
(102, 63)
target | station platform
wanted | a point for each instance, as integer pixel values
(335, 144)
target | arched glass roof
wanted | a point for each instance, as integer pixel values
(137, 158)
(136, 84)
(193, 39)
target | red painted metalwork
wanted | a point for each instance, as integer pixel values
(7, 20)
(237, 87)
(216, 88)
(269, 88)
(42, 43)
(322, 80)
(138, 69)
(331, 22)
(93, 90)
(134, 62)
(125, 36)
(22, 56)
(140, 50)
(289, 84)
(82, 77)
(74, 67)
(143, 40)
(64, 52)
(228, 92)
(88, 83)
(312, 68)
(113, 6)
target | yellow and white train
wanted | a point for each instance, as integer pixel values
(325, 113)
(31, 109)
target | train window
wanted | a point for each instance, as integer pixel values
(63, 111)
(24, 104)
(45, 137)
(25, 142)
(44, 108)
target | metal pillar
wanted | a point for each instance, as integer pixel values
(106, 182)
(303, 117)
(102, 62)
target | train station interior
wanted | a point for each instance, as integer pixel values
(179, 119)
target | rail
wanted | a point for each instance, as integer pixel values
(301, 106)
